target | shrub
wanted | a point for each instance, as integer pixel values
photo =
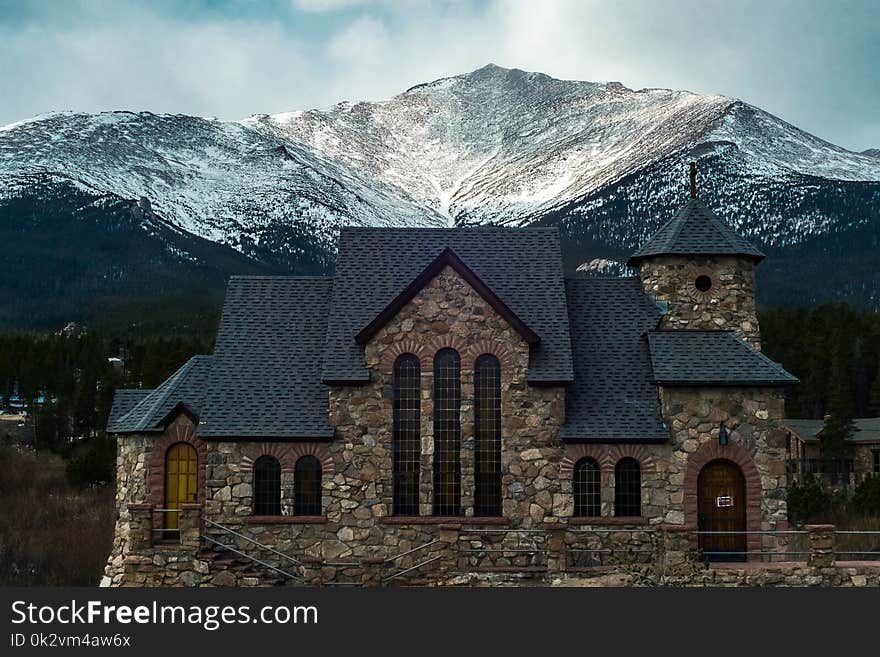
(51, 534)
(866, 497)
(808, 498)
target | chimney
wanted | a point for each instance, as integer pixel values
(693, 180)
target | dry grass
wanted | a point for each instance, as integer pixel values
(51, 534)
(845, 545)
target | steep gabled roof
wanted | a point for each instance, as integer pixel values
(521, 266)
(711, 358)
(186, 385)
(695, 230)
(447, 258)
(124, 400)
(265, 379)
(613, 396)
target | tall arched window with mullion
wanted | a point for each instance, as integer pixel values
(307, 486)
(627, 487)
(407, 435)
(267, 486)
(487, 415)
(586, 487)
(447, 433)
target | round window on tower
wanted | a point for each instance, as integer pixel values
(703, 283)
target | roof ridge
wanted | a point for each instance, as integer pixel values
(447, 258)
(282, 277)
(691, 330)
(178, 373)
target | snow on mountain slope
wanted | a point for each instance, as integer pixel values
(218, 180)
(503, 145)
(494, 145)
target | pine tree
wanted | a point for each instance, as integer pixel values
(874, 397)
(835, 444)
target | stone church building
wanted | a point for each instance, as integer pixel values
(449, 405)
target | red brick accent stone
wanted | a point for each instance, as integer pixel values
(288, 454)
(637, 452)
(181, 430)
(390, 355)
(426, 353)
(481, 347)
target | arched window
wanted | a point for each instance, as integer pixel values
(181, 479)
(307, 486)
(586, 487)
(447, 433)
(267, 486)
(487, 416)
(627, 488)
(406, 447)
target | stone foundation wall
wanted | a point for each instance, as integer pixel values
(728, 304)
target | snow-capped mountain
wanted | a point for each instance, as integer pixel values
(604, 162)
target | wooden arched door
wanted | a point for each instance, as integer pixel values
(721, 501)
(181, 467)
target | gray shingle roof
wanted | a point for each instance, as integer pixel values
(265, 380)
(185, 386)
(867, 429)
(523, 266)
(124, 400)
(613, 396)
(695, 230)
(711, 358)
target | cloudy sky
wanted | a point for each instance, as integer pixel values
(812, 63)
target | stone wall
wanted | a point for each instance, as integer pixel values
(131, 488)
(359, 539)
(728, 304)
(753, 418)
(449, 313)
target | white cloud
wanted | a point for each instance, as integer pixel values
(313, 53)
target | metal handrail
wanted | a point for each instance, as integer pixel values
(607, 550)
(255, 542)
(612, 530)
(513, 549)
(411, 568)
(503, 531)
(756, 553)
(252, 558)
(769, 532)
(415, 549)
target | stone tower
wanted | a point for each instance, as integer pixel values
(702, 270)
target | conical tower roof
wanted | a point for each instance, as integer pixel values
(695, 230)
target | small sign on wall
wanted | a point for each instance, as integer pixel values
(724, 502)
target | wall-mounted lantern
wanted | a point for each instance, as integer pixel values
(723, 438)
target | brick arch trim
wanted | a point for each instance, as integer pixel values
(426, 352)
(712, 451)
(490, 347)
(637, 452)
(577, 452)
(288, 454)
(390, 356)
(177, 432)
